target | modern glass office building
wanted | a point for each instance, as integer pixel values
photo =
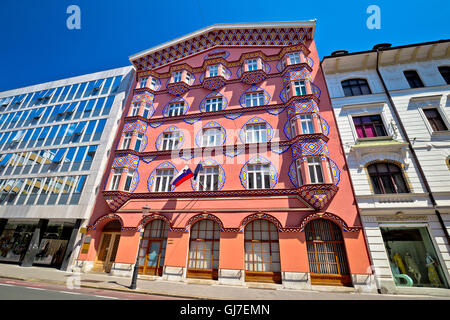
(54, 141)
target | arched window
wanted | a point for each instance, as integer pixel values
(204, 250)
(387, 178)
(153, 248)
(355, 87)
(413, 78)
(326, 253)
(262, 252)
(445, 73)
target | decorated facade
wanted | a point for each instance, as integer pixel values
(273, 200)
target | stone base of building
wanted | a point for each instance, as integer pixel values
(296, 280)
(84, 266)
(364, 283)
(122, 269)
(232, 277)
(174, 273)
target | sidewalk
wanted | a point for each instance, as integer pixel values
(195, 289)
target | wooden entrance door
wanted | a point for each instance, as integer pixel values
(107, 252)
(204, 250)
(326, 254)
(153, 248)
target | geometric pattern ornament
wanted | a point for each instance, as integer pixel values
(318, 195)
(211, 163)
(273, 174)
(138, 126)
(279, 36)
(296, 74)
(316, 90)
(152, 178)
(192, 120)
(145, 97)
(175, 100)
(217, 53)
(287, 130)
(231, 151)
(335, 172)
(127, 161)
(302, 106)
(255, 121)
(149, 159)
(275, 147)
(233, 116)
(115, 201)
(253, 77)
(275, 111)
(213, 83)
(159, 140)
(328, 216)
(210, 125)
(309, 147)
(292, 174)
(325, 126)
(156, 124)
(310, 62)
(266, 67)
(213, 94)
(284, 95)
(254, 89)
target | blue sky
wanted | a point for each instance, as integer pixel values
(37, 46)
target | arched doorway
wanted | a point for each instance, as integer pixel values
(204, 250)
(326, 253)
(262, 252)
(108, 247)
(153, 248)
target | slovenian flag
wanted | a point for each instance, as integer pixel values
(182, 176)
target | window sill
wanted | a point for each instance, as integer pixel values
(379, 138)
(441, 133)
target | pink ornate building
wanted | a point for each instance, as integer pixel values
(273, 202)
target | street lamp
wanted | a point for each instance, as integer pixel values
(145, 211)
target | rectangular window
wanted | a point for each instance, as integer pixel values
(294, 58)
(153, 84)
(107, 85)
(299, 88)
(213, 104)
(143, 82)
(254, 99)
(306, 124)
(162, 182)
(315, 170)
(115, 180)
(435, 119)
(176, 109)
(211, 137)
(128, 180)
(256, 133)
(188, 77)
(116, 84)
(177, 76)
(299, 173)
(208, 179)
(137, 145)
(252, 65)
(170, 140)
(213, 71)
(126, 140)
(147, 110)
(369, 126)
(134, 109)
(258, 176)
(413, 79)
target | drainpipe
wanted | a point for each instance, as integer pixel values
(416, 160)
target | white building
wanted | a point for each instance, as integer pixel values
(392, 105)
(55, 138)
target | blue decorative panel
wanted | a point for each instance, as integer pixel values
(192, 120)
(231, 152)
(211, 163)
(202, 77)
(239, 72)
(187, 155)
(325, 126)
(175, 100)
(152, 178)
(310, 62)
(302, 106)
(135, 126)
(293, 174)
(218, 53)
(134, 181)
(275, 111)
(266, 67)
(280, 65)
(211, 124)
(213, 94)
(256, 120)
(156, 124)
(335, 172)
(283, 95)
(287, 130)
(254, 89)
(149, 159)
(316, 90)
(279, 149)
(159, 140)
(144, 143)
(309, 147)
(243, 176)
(233, 116)
(126, 161)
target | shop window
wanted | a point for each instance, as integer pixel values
(15, 240)
(262, 252)
(413, 79)
(204, 250)
(387, 178)
(434, 119)
(369, 126)
(355, 87)
(412, 257)
(153, 248)
(326, 253)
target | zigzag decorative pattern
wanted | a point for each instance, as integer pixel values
(296, 75)
(302, 106)
(224, 37)
(127, 161)
(309, 147)
(328, 216)
(145, 97)
(138, 126)
(318, 196)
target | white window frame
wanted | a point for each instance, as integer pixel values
(135, 109)
(255, 170)
(188, 78)
(301, 85)
(214, 104)
(254, 133)
(211, 134)
(162, 180)
(294, 58)
(254, 99)
(130, 175)
(305, 120)
(143, 82)
(299, 173)
(252, 64)
(316, 164)
(139, 138)
(213, 70)
(175, 109)
(171, 140)
(208, 174)
(153, 84)
(177, 76)
(441, 113)
(127, 140)
(115, 180)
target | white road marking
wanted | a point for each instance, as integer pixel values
(36, 288)
(6, 285)
(69, 292)
(106, 297)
